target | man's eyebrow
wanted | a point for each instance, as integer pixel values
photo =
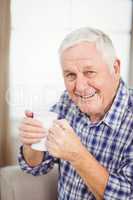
(88, 67)
(66, 71)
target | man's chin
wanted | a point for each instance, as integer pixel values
(86, 109)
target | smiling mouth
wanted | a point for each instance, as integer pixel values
(86, 98)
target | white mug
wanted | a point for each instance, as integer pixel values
(46, 118)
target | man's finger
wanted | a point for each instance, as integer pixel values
(63, 123)
(29, 113)
(31, 121)
(32, 135)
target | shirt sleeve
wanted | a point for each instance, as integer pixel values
(44, 167)
(120, 182)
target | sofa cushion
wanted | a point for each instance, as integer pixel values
(17, 185)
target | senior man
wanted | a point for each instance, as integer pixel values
(92, 140)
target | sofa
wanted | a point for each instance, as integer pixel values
(17, 185)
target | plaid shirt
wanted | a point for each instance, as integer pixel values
(110, 141)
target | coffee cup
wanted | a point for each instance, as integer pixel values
(46, 118)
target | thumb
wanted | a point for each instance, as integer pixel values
(29, 113)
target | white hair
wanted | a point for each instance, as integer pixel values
(102, 41)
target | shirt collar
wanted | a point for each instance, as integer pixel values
(115, 114)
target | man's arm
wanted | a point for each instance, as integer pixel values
(33, 165)
(94, 174)
(32, 157)
(65, 144)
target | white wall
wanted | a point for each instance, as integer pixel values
(37, 30)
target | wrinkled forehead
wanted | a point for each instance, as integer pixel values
(85, 53)
(77, 62)
(79, 51)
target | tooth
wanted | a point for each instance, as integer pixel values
(86, 97)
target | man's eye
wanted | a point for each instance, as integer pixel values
(70, 76)
(90, 73)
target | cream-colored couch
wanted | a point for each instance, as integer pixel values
(17, 185)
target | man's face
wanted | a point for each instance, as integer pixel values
(88, 80)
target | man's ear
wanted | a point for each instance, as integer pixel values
(116, 66)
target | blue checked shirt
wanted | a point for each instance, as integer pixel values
(110, 141)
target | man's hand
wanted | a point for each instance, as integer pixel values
(62, 142)
(31, 130)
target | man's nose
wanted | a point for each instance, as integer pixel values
(81, 83)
